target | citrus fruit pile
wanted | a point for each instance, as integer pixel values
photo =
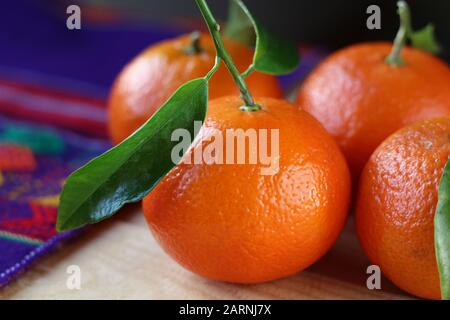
(230, 223)
(371, 98)
(377, 114)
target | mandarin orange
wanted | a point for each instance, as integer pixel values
(397, 201)
(230, 222)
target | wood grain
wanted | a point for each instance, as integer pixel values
(119, 259)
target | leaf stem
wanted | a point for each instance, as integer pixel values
(248, 72)
(214, 68)
(394, 58)
(214, 29)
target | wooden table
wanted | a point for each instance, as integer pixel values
(119, 259)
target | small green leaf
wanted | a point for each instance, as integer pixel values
(239, 28)
(129, 171)
(425, 39)
(272, 55)
(442, 233)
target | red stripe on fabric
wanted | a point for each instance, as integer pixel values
(55, 94)
(86, 126)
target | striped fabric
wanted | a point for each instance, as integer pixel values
(44, 136)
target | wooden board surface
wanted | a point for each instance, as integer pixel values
(119, 259)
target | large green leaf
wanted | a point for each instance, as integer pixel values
(132, 169)
(442, 233)
(425, 39)
(272, 54)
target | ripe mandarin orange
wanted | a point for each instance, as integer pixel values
(361, 100)
(154, 75)
(229, 222)
(397, 201)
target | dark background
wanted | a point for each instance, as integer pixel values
(334, 22)
(331, 22)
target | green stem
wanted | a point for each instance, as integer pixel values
(214, 68)
(214, 29)
(394, 58)
(248, 72)
(194, 47)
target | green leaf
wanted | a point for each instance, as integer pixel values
(129, 171)
(425, 39)
(272, 55)
(239, 28)
(442, 232)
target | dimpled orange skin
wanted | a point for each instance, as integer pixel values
(361, 100)
(155, 74)
(232, 224)
(396, 205)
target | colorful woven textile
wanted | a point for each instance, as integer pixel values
(35, 158)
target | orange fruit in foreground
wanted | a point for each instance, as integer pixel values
(228, 222)
(397, 202)
(155, 74)
(361, 100)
